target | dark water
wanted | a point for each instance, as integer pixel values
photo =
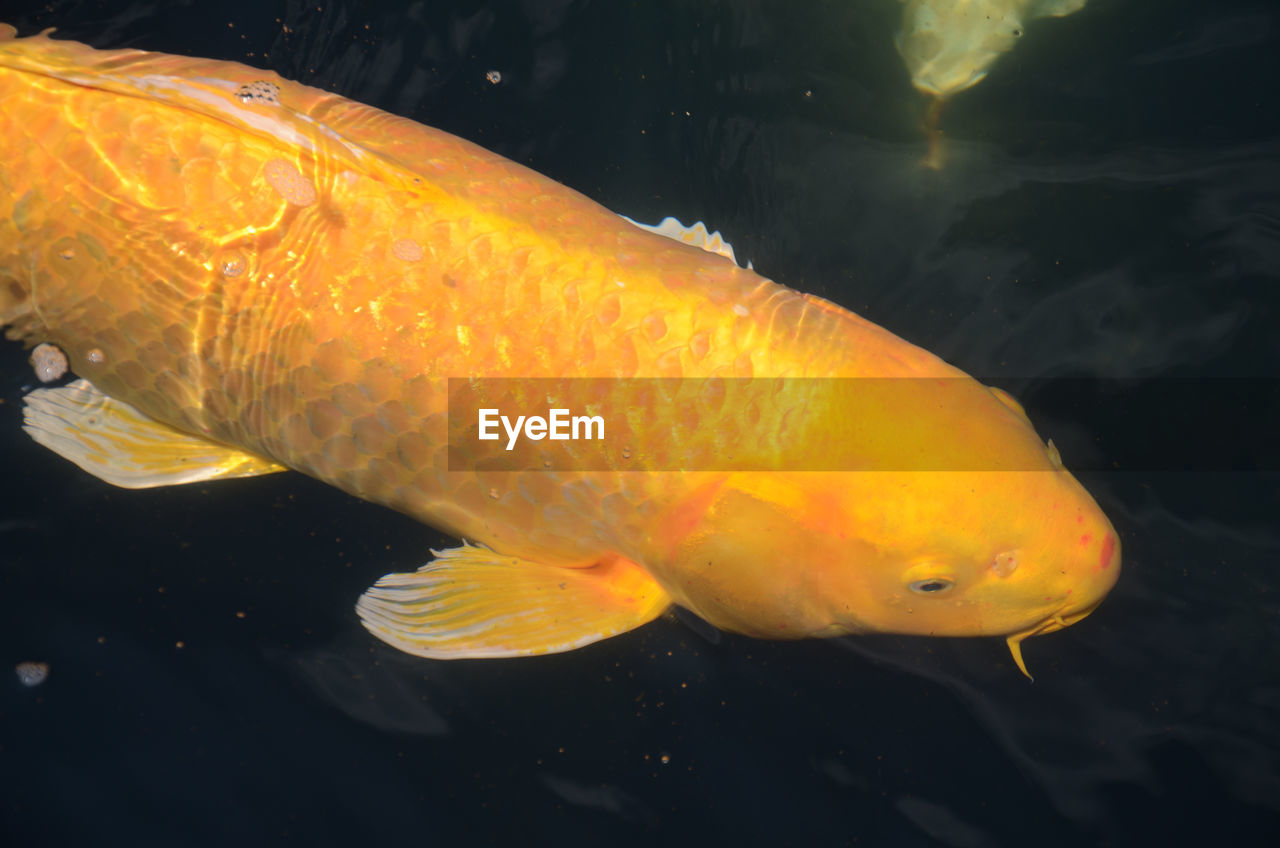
(1104, 240)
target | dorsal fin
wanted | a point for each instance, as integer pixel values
(697, 235)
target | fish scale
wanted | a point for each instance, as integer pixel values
(297, 310)
(252, 274)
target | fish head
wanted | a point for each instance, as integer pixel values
(949, 46)
(1009, 545)
(995, 553)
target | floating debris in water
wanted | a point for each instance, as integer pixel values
(49, 361)
(259, 91)
(32, 673)
(494, 77)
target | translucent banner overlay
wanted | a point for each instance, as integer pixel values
(860, 424)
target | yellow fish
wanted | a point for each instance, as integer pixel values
(950, 45)
(249, 275)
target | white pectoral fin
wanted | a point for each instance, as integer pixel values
(697, 235)
(118, 444)
(471, 602)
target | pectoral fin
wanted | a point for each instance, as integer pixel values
(471, 602)
(117, 443)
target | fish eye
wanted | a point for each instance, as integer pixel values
(930, 586)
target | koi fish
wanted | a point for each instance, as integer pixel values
(950, 45)
(250, 275)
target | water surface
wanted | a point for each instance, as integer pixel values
(1104, 240)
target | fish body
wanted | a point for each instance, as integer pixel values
(950, 45)
(250, 275)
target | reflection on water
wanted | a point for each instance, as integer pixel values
(1192, 608)
(940, 823)
(368, 692)
(606, 798)
(1111, 213)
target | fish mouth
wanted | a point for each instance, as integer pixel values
(1057, 621)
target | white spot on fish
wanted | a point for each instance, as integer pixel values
(259, 91)
(234, 265)
(739, 309)
(1005, 563)
(288, 182)
(620, 284)
(406, 249)
(49, 361)
(32, 673)
(95, 357)
(1055, 458)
